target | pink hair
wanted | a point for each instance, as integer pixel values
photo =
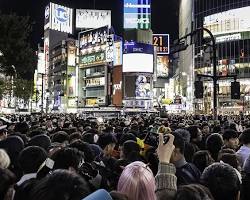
(137, 182)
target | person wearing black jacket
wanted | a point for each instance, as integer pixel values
(186, 172)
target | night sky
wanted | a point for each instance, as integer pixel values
(164, 16)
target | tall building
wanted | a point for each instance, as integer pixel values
(229, 22)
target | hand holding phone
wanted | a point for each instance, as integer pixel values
(164, 151)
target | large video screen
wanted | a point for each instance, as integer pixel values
(138, 62)
(231, 21)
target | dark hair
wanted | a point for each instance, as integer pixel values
(22, 127)
(214, 144)
(202, 159)
(193, 130)
(193, 192)
(229, 156)
(179, 142)
(75, 136)
(31, 158)
(106, 139)
(229, 133)
(204, 124)
(130, 147)
(61, 184)
(84, 147)
(7, 178)
(67, 157)
(37, 131)
(60, 136)
(222, 181)
(88, 137)
(245, 137)
(41, 141)
(125, 137)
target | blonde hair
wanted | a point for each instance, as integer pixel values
(4, 159)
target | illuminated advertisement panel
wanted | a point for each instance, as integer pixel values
(142, 87)
(71, 53)
(231, 21)
(117, 86)
(161, 41)
(162, 66)
(59, 18)
(92, 18)
(117, 53)
(138, 57)
(92, 40)
(137, 14)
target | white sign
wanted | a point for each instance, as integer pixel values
(231, 21)
(227, 38)
(92, 18)
(59, 18)
(41, 63)
(138, 62)
(109, 54)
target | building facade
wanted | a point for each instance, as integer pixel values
(229, 22)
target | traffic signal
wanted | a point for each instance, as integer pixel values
(198, 89)
(235, 90)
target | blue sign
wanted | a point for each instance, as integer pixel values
(137, 14)
(134, 47)
(61, 14)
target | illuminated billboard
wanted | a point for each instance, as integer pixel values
(137, 14)
(231, 21)
(138, 57)
(59, 18)
(162, 66)
(161, 41)
(143, 87)
(87, 19)
(71, 53)
(92, 40)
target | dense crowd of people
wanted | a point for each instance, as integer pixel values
(143, 157)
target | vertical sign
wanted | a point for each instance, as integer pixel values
(161, 41)
(137, 14)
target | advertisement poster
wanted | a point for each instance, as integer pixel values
(59, 18)
(117, 86)
(137, 14)
(71, 53)
(231, 21)
(162, 66)
(93, 37)
(161, 41)
(143, 88)
(87, 19)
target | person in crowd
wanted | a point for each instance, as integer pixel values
(245, 192)
(186, 172)
(222, 181)
(196, 136)
(4, 159)
(229, 156)
(214, 144)
(60, 184)
(202, 159)
(244, 151)
(193, 192)
(7, 180)
(231, 139)
(137, 180)
(3, 132)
